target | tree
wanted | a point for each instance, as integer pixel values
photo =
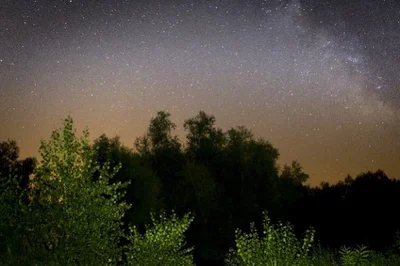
(72, 218)
(9, 153)
(250, 175)
(161, 151)
(14, 185)
(294, 174)
(12, 206)
(13, 168)
(204, 141)
(160, 130)
(292, 191)
(159, 135)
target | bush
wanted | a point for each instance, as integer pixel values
(161, 244)
(354, 257)
(278, 246)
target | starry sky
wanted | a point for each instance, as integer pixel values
(319, 79)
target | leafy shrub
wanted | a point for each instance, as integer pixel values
(278, 246)
(355, 257)
(161, 244)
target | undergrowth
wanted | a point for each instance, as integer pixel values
(279, 246)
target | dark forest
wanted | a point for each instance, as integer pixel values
(215, 198)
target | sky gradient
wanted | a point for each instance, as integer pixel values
(318, 79)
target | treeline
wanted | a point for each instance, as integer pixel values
(92, 204)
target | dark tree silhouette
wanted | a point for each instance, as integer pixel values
(13, 169)
(352, 212)
(9, 153)
(144, 188)
(204, 141)
(161, 151)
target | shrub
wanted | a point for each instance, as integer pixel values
(355, 257)
(278, 246)
(161, 244)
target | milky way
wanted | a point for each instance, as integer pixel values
(319, 79)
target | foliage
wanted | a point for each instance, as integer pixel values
(226, 177)
(324, 257)
(361, 256)
(158, 136)
(14, 182)
(72, 219)
(294, 173)
(11, 226)
(346, 256)
(196, 191)
(162, 244)
(355, 257)
(9, 152)
(278, 246)
(161, 151)
(143, 190)
(204, 140)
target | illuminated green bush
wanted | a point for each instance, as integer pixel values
(277, 246)
(161, 244)
(355, 257)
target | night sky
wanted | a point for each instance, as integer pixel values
(318, 79)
